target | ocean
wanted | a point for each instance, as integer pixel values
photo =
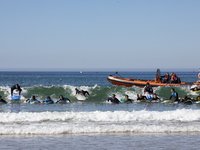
(94, 123)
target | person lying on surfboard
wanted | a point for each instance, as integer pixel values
(62, 99)
(140, 97)
(48, 100)
(198, 98)
(2, 100)
(113, 99)
(15, 87)
(82, 92)
(126, 99)
(155, 98)
(32, 99)
(185, 99)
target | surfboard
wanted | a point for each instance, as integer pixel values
(168, 101)
(197, 102)
(80, 97)
(35, 102)
(188, 102)
(15, 95)
(142, 100)
(2, 103)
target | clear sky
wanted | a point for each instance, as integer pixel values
(99, 34)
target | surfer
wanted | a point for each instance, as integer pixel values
(113, 99)
(2, 100)
(184, 99)
(198, 98)
(126, 99)
(15, 87)
(155, 98)
(82, 92)
(62, 99)
(174, 94)
(48, 100)
(32, 99)
(148, 89)
(140, 97)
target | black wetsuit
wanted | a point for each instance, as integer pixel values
(113, 100)
(13, 87)
(3, 101)
(82, 92)
(142, 98)
(155, 99)
(148, 89)
(175, 96)
(198, 98)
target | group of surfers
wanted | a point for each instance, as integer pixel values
(152, 97)
(48, 99)
(147, 89)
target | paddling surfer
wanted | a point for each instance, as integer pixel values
(113, 99)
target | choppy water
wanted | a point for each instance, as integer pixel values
(93, 115)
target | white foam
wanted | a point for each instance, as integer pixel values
(181, 120)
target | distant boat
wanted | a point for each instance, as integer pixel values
(81, 71)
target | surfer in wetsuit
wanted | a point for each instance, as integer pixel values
(32, 99)
(126, 99)
(155, 98)
(82, 92)
(184, 99)
(61, 98)
(174, 94)
(140, 97)
(15, 87)
(113, 99)
(198, 98)
(148, 89)
(48, 100)
(2, 100)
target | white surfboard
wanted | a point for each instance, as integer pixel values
(168, 101)
(15, 95)
(80, 97)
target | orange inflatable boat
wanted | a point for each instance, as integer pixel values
(128, 82)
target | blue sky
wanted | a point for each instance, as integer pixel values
(99, 35)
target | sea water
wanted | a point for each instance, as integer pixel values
(94, 123)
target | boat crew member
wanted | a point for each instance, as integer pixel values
(174, 94)
(148, 89)
(126, 99)
(140, 97)
(113, 99)
(155, 98)
(15, 87)
(167, 78)
(82, 92)
(62, 99)
(2, 100)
